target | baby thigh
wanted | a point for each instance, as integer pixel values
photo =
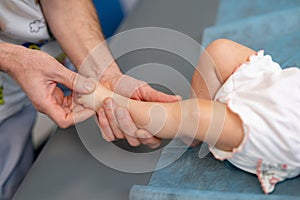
(216, 64)
(205, 82)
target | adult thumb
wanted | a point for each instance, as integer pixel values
(76, 82)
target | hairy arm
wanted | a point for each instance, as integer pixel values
(201, 119)
(76, 27)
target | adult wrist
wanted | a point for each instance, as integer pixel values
(99, 63)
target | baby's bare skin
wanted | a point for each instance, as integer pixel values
(94, 100)
(191, 118)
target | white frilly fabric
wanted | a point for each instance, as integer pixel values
(267, 99)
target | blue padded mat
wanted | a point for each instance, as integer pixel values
(191, 177)
(278, 33)
(235, 10)
(272, 25)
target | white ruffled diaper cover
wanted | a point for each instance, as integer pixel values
(267, 99)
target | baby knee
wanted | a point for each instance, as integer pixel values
(219, 45)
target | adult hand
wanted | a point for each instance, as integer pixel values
(115, 122)
(38, 74)
(77, 21)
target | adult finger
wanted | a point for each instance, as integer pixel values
(150, 94)
(134, 135)
(105, 128)
(59, 116)
(109, 107)
(127, 126)
(148, 139)
(80, 113)
(74, 81)
(65, 119)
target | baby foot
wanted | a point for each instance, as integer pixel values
(94, 100)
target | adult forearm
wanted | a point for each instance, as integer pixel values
(10, 59)
(75, 25)
(4, 55)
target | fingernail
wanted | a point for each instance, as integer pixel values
(140, 134)
(143, 134)
(89, 86)
(120, 113)
(108, 104)
(147, 135)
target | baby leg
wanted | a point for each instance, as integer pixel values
(190, 118)
(216, 64)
